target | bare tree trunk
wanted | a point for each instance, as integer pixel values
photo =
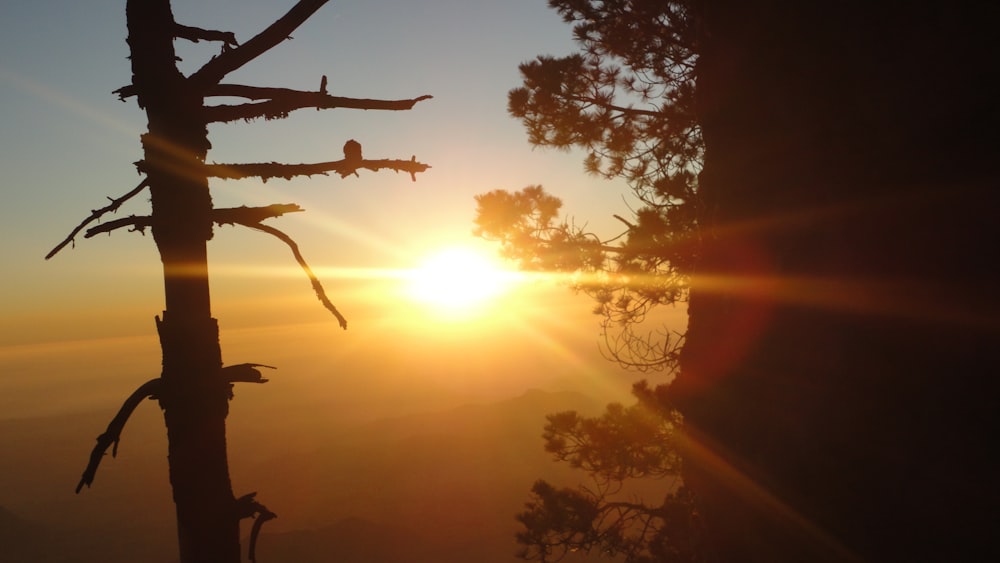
(193, 388)
(193, 395)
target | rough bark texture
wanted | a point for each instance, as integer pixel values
(850, 176)
(194, 396)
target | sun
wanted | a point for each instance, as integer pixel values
(458, 280)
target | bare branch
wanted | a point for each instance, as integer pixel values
(245, 373)
(263, 516)
(295, 99)
(280, 102)
(244, 215)
(316, 285)
(113, 434)
(223, 216)
(246, 507)
(252, 217)
(216, 69)
(196, 34)
(266, 93)
(97, 214)
(135, 222)
(346, 167)
(654, 351)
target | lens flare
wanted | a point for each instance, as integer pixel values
(458, 280)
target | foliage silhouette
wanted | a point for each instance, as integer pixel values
(626, 280)
(194, 388)
(626, 100)
(623, 446)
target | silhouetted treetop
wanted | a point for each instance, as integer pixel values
(627, 100)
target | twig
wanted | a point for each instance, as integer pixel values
(268, 170)
(316, 285)
(623, 220)
(96, 214)
(252, 217)
(112, 435)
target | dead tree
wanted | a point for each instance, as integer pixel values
(194, 389)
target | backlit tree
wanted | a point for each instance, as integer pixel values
(627, 100)
(194, 388)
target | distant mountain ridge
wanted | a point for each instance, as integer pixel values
(449, 482)
(20, 540)
(439, 486)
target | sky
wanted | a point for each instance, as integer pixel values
(67, 143)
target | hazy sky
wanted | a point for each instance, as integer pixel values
(67, 143)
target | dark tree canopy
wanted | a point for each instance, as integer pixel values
(836, 381)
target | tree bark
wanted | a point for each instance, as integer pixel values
(193, 396)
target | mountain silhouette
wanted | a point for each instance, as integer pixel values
(440, 486)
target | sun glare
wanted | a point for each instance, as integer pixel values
(458, 280)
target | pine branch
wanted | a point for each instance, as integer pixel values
(112, 435)
(196, 34)
(216, 69)
(97, 214)
(280, 102)
(346, 167)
